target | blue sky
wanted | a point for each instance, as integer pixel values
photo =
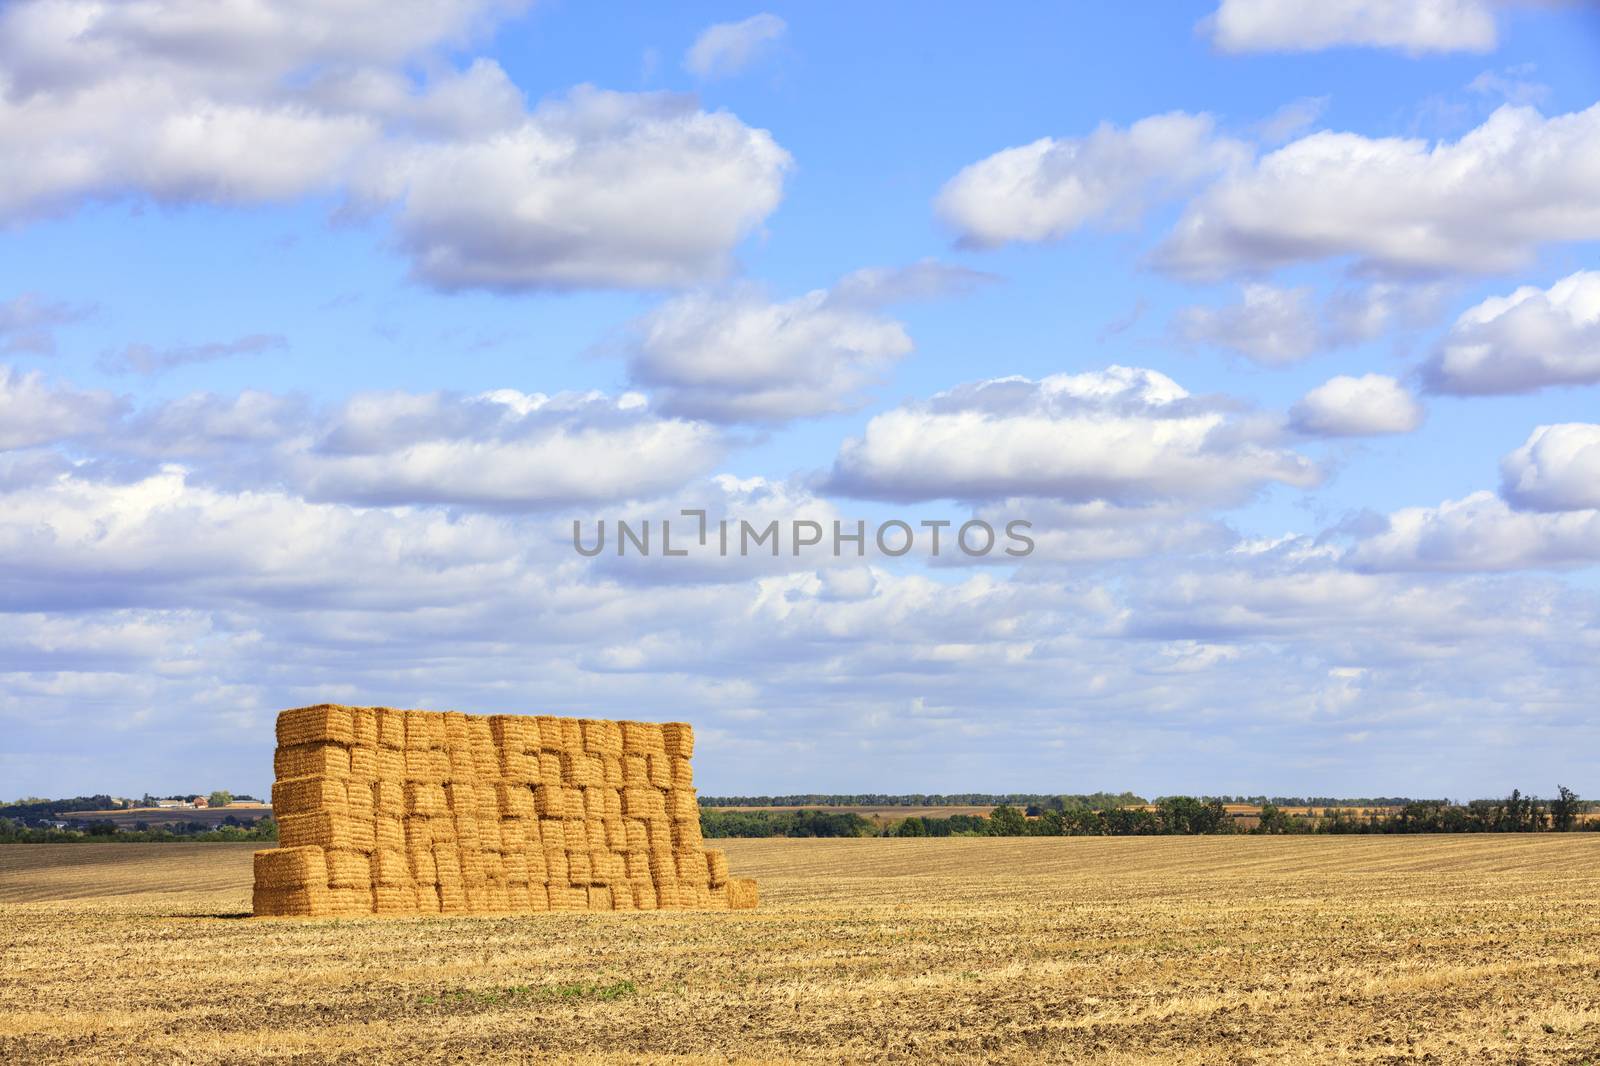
(318, 335)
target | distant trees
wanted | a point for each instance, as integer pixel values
(219, 798)
(1006, 821)
(1564, 809)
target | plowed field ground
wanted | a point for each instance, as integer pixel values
(1482, 949)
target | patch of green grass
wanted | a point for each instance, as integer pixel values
(565, 991)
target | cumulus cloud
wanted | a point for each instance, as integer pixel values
(147, 359)
(1276, 326)
(595, 189)
(1047, 189)
(1123, 435)
(1479, 532)
(1398, 205)
(28, 323)
(1414, 26)
(726, 48)
(1556, 469)
(1528, 340)
(1363, 406)
(734, 355)
(34, 412)
(170, 100)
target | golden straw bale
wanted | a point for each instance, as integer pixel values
(597, 770)
(553, 832)
(599, 898)
(717, 897)
(319, 829)
(419, 766)
(359, 799)
(549, 732)
(308, 725)
(644, 894)
(693, 868)
(594, 834)
(686, 836)
(364, 726)
(682, 773)
(391, 766)
(388, 833)
(611, 771)
(417, 733)
(635, 771)
(499, 899)
(321, 759)
(570, 897)
(452, 898)
(642, 803)
(350, 901)
(716, 866)
(516, 800)
(538, 865)
(428, 899)
(660, 770)
(638, 834)
(682, 805)
(573, 798)
(489, 838)
(661, 839)
(391, 728)
(516, 867)
(601, 737)
(514, 732)
(439, 765)
(622, 896)
(303, 795)
(364, 763)
(396, 899)
(594, 804)
(462, 766)
(286, 868)
(742, 894)
(494, 866)
(667, 895)
(571, 736)
(462, 796)
(289, 902)
(389, 798)
(550, 768)
(519, 767)
(678, 739)
(517, 897)
(363, 835)
(559, 872)
(455, 729)
(575, 770)
(442, 830)
(424, 870)
(489, 801)
(616, 834)
(550, 801)
(390, 868)
(637, 865)
(578, 869)
(642, 738)
(538, 898)
(615, 866)
(426, 798)
(663, 867)
(348, 869)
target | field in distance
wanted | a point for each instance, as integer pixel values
(1444, 949)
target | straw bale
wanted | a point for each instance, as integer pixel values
(616, 834)
(638, 834)
(556, 864)
(321, 759)
(347, 869)
(364, 763)
(613, 864)
(515, 864)
(642, 802)
(693, 894)
(419, 766)
(364, 726)
(635, 771)
(391, 728)
(569, 897)
(678, 739)
(549, 732)
(489, 838)
(498, 896)
(286, 868)
(489, 801)
(717, 866)
(599, 898)
(363, 835)
(667, 895)
(682, 805)
(717, 897)
(663, 867)
(350, 901)
(659, 769)
(575, 770)
(389, 797)
(424, 869)
(389, 867)
(622, 896)
(686, 836)
(516, 800)
(594, 834)
(514, 733)
(462, 765)
(462, 797)
(573, 798)
(637, 864)
(442, 830)
(391, 766)
(553, 832)
(578, 869)
(417, 734)
(427, 899)
(288, 902)
(611, 771)
(307, 725)
(642, 738)
(594, 804)
(538, 898)
(455, 729)
(395, 899)
(452, 899)
(661, 839)
(359, 799)
(426, 798)
(742, 894)
(319, 829)
(494, 866)
(571, 736)
(682, 773)
(538, 865)
(388, 833)
(693, 868)
(303, 795)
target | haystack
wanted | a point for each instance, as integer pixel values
(383, 811)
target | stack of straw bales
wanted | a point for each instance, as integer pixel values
(418, 812)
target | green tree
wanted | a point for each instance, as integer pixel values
(911, 827)
(1564, 809)
(219, 798)
(1006, 821)
(1273, 819)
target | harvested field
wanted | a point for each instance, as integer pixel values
(1482, 949)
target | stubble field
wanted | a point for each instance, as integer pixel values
(1113, 951)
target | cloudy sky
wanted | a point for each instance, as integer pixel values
(320, 325)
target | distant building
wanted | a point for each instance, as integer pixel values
(199, 802)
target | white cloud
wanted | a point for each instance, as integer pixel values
(1528, 340)
(726, 48)
(147, 359)
(1410, 25)
(1047, 189)
(32, 412)
(1556, 469)
(1347, 406)
(596, 189)
(1270, 325)
(1479, 533)
(28, 323)
(177, 101)
(1124, 435)
(734, 355)
(1483, 203)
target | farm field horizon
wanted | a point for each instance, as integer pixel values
(1481, 949)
